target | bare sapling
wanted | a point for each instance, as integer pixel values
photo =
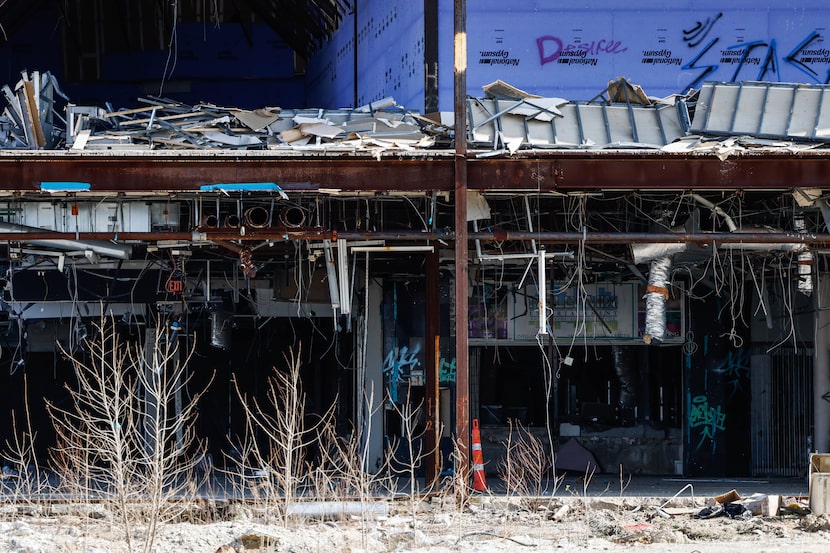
(171, 447)
(413, 433)
(525, 462)
(344, 459)
(23, 480)
(278, 459)
(127, 436)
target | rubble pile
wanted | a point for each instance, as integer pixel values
(166, 124)
(503, 121)
(28, 121)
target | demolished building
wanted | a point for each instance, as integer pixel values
(645, 275)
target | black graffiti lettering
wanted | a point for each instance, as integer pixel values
(697, 34)
(800, 63)
(706, 69)
(745, 50)
(770, 62)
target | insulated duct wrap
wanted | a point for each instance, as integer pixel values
(805, 269)
(657, 292)
(645, 252)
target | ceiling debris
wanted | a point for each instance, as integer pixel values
(165, 124)
(28, 119)
(726, 118)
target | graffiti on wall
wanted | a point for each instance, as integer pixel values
(735, 369)
(398, 366)
(446, 371)
(758, 59)
(705, 419)
(750, 58)
(554, 49)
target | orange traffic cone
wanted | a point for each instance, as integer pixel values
(479, 482)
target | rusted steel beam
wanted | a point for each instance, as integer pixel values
(652, 171)
(544, 171)
(187, 174)
(432, 360)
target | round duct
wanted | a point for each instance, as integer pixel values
(292, 217)
(210, 221)
(256, 217)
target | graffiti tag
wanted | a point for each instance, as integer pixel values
(707, 418)
(760, 54)
(554, 49)
(735, 368)
(446, 370)
(397, 367)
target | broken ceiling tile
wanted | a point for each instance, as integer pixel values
(321, 130)
(500, 89)
(255, 120)
(232, 140)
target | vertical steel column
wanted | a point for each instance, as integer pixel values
(462, 378)
(821, 369)
(432, 356)
(354, 55)
(430, 56)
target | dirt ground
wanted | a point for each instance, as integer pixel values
(487, 524)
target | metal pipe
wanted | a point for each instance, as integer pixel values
(717, 210)
(462, 379)
(276, 235)
(331, 277)
(543, 295)
(65, 241)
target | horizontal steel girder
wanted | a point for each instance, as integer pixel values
(259, 235)
(546, 172)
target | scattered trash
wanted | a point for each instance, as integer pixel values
(731, 510)
(561, 512)
(764, 505)
(729, 497)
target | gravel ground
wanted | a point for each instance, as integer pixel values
(487, 524)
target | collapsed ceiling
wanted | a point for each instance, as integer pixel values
(174, 203)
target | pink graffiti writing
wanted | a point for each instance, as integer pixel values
(551, 48)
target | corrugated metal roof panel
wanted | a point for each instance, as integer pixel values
(762, 109)
(576, 125)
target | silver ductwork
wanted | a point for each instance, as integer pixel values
(657, 293)
(805, 276)
(221, 327)
(99, 247)
(643, 253)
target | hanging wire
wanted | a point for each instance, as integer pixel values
(172, 48)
